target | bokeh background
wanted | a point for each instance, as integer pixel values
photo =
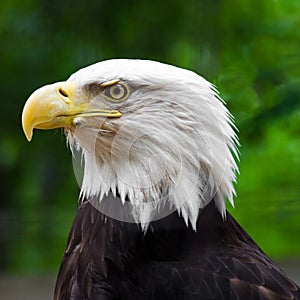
(249, 49)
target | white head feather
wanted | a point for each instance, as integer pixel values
(173, 145)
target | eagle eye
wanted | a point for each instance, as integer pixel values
(117, 92)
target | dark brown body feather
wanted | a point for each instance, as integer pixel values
(107, 259)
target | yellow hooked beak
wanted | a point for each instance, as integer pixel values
(53, 106)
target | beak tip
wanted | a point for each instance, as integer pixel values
(27, 128)
(29, 138)
(28, 134)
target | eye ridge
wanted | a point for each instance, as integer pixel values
(117, 92)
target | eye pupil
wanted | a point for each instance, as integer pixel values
(117, 91)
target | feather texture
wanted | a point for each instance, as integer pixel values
(168, 162)
(175, 134)
(170, 261)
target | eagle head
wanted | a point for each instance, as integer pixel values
(156, 137)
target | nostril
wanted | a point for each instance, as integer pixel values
(63, 93)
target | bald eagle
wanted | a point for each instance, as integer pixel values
(159, 149)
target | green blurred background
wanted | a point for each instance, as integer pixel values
(249, 49)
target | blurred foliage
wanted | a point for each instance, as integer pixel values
(249, 49)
